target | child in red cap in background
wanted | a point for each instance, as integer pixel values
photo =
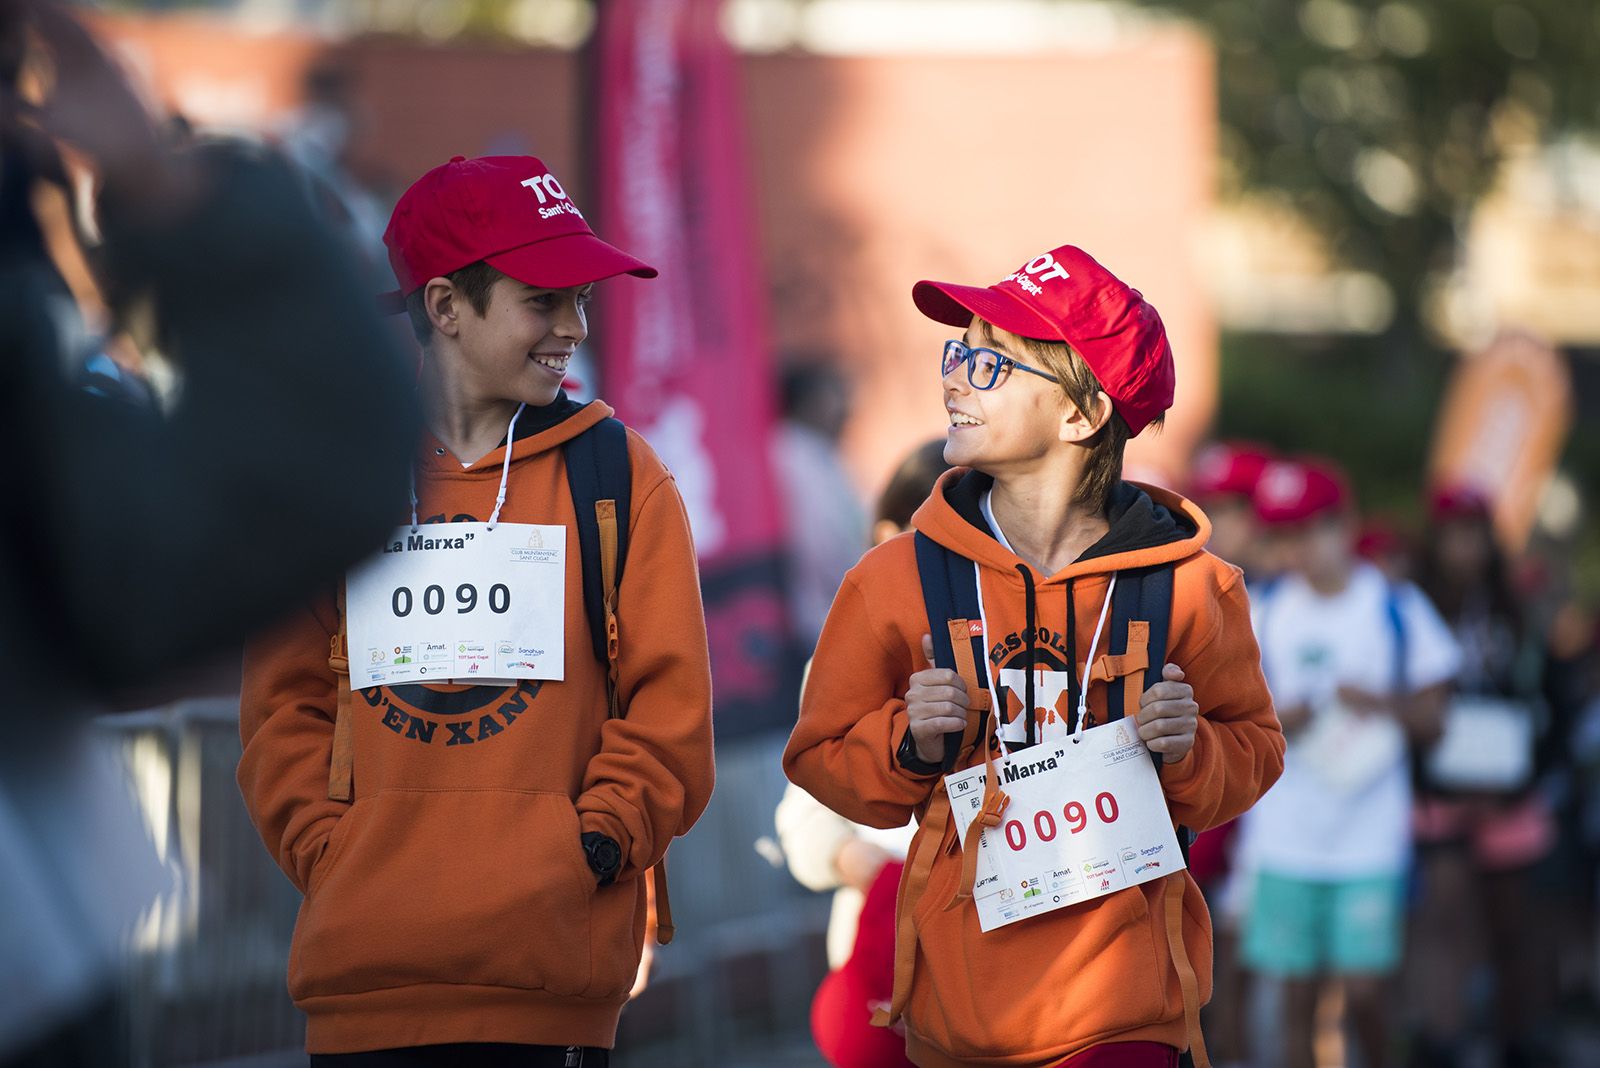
(1223, 483)
(473, 857)
(1359, 668)
(1059, 364)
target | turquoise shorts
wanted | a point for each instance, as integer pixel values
(1298, 928)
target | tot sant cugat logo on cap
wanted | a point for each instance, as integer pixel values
(553, 199)
(1040, 269)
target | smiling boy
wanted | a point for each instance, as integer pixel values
(1060, 365)
(473, 856)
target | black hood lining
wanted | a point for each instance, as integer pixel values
(536, 420)
(1137, 521)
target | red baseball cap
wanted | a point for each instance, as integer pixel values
(1293, 491)
(509, 211)
(1378, 540)
(1227, 469)
(1459, 500)
(1064, 295)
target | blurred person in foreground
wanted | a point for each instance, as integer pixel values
(474, 858)
(1223, 484)
(141, 543)
(1482, 825)
(1058, 366)
(861, 864)
(1359, 669)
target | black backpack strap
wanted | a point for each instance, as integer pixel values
(1143, 593)
(598, 469)
(950, 592)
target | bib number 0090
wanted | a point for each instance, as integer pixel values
(402, 601)
(1077, 817)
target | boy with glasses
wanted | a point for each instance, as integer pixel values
(1059, 365)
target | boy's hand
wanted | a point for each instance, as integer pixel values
(936, 704)
(1168, 716)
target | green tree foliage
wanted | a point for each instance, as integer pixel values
(1383, 122)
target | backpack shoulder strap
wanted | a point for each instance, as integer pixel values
(1397, 628)
(1141, 616)
(341, 760)
(950, 597)
(1141, 622)
(600, 476)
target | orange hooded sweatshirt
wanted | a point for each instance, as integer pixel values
(452, 900)
(1036, 992)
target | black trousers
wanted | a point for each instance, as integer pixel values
(469, 1055)
(95, 1038)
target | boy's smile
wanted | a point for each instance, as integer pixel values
(521, 346)
(1016, 421)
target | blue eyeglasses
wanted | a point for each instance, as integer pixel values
(986, 368)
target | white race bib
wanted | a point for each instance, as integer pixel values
(1487, 745)
(460, 602)
(1087, 818)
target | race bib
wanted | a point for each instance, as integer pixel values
(1087, 818)
(459, 602)
(1487, 745)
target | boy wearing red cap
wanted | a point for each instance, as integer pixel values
(1059, 365)
(1223, 483)
(472, 856)
(1358, 666)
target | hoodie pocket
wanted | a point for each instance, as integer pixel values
(1040, 986)
(484, 888)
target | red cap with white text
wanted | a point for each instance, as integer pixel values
(509, 211)
(1064, 295)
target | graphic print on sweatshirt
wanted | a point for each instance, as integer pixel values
(421, 714)
(1052, 699)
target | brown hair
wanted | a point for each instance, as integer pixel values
(473, 282)
(1080, 386)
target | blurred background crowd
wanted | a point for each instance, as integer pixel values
(1373, 231)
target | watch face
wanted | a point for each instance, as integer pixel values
(607, 855)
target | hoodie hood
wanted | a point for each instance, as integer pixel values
(1149, 525)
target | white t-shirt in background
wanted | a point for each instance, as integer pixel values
(1342, 809)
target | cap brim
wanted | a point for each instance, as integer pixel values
(569, 260)
(955, 305)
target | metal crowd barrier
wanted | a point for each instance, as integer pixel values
(205, 982)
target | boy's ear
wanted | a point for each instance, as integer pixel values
(1078, 426)
(443, 305)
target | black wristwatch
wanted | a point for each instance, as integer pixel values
(604, 856)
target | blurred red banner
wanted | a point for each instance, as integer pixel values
(685, 357)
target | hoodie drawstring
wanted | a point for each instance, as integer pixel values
(1074, 691)
(1084, 716)
(1031, 611)
(505, 476)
